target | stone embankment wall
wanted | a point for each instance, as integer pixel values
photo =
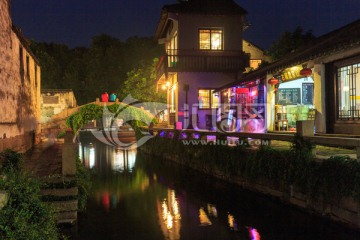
(345, 211)
(20, 87)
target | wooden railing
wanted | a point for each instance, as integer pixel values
(333, 141)
(203, 61)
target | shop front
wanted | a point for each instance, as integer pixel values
(294, 98)
(243, 107)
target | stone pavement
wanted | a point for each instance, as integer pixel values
(45, 158)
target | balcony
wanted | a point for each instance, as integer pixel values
(202, 61)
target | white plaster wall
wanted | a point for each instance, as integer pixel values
(198, 81)
(319, 98)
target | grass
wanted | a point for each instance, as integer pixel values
(320, 150)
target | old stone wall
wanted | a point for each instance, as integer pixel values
(20, 86)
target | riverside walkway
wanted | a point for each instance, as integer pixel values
(45, 158)
(44, 161)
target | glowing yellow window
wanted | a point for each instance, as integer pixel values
(211, 39)
(208, 99)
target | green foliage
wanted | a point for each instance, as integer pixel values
(289, 42)
(24, 216)
(61, 134)
(11, 160)
(141, 84)
(330, 179)
(83, 183)
(91, 71)
(94, 112)
(301, 146)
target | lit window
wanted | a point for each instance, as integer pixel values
(254, 64)
(211, 39)
(349, 92)
(208, 99)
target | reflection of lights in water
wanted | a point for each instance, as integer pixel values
(254, 234)
(212, 210)
(171, 214)
(204, 219)
(92, 157)
(118, 164)
(232, 222)
(124, 160)
(168, 219)
(80, 153)
(106, 201)
(131, 159)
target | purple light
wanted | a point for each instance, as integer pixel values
(170, 135)
(162, 134)
(196, 135)
(254, 234)
(183, 136)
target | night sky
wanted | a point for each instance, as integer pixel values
(75, 22)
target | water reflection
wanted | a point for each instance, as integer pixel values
(124, 160)
(204, 219)
(169, 216)
(107, 156)
(134, 197)
(232, 222)
(254, 234)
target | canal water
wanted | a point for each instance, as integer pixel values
(135, 196)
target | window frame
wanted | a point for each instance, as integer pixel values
(348, 68)
(211, 30)
(211, 103)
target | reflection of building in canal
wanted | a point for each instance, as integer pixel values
(169, 216)
(124, 160)
(254, 234)
(232, 222)
(204, 219)
(103, 157)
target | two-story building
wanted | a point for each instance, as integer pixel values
(203, 50)
(20, 87)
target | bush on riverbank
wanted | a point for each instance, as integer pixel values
(24, 216)
(329, 180)
(83, 177)
(132, 115)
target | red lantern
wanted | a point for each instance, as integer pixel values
(306, 72)
(273, 81)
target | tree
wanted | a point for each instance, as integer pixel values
(104, 66)
(141, 84)
(289, 42)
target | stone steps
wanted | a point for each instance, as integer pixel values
(66, 192)
(61, 194)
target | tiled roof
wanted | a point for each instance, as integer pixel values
(206, 7)
(343, 38)
(24, 42)
(216, 7)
